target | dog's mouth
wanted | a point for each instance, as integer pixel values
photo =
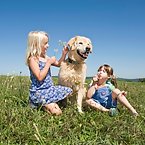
(85, 54)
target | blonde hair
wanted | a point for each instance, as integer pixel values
(34, 43)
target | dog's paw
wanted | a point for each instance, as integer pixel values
(80, 111)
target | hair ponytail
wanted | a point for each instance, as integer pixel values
(113, 80)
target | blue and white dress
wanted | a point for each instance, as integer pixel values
(103, 96)
(44, 92)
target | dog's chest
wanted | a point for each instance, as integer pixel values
(74, 69)
(72, 73)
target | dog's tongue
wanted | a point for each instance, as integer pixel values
(85, 55)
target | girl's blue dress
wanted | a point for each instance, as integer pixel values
(44, 92)
(103, 96)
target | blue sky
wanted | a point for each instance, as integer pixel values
(115, 27)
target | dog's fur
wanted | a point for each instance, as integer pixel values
(73, 70)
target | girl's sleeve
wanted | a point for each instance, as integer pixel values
(110, 85)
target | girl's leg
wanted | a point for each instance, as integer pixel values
(53, 108)
(122, 99)
(95, 105)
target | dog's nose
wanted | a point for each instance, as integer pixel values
(88, 49)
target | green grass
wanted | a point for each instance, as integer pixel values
(19, 124)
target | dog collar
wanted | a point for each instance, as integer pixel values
(72, 61)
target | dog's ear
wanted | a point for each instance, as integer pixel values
(72, 43)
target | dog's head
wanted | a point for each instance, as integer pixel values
(80, 47)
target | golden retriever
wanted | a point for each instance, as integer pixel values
(73, 70)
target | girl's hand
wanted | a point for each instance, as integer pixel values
(124, 93)
(94, 81)
(95, 78)
(51, 60)
(65, 50)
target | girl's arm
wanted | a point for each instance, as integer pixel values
(91, 92)
(34, 66)
(116, 92)
(64, 53)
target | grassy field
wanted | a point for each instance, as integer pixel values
(19, 124)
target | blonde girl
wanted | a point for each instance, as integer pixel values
(103, 96)
(43, 93)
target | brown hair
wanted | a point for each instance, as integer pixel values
(109, 71)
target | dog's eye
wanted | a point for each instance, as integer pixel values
(80, 43)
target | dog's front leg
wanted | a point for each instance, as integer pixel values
(80, 96)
